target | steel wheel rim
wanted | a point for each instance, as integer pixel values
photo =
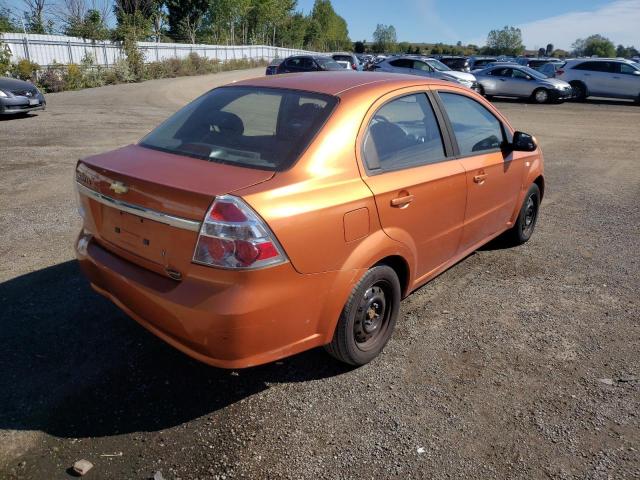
(530, 214)
(372, 316)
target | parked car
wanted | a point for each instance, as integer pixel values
(347, 60)
(551, 69)
(522, 82)
(18, 96)
(272, 68)
(461, 64)
(602, 77)
(425, 67)
(247, 227)
(308, 63)
(478, 63)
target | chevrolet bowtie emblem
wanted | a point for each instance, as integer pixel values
(119, 187)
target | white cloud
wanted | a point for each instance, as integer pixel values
(619, 21)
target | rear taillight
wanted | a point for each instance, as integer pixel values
(233, 236)
(353, 66)
(559, 72)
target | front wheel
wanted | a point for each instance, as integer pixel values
(541, 95)
(368, 318)
(526, 222)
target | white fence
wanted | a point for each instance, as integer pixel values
(48, 49)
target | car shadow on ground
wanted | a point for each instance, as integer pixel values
(18, 116)
(74, 366)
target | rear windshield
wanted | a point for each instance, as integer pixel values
(263, 128)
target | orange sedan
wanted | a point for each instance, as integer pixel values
(282, 213)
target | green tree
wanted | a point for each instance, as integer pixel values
(35, 16)
(600, 46)
(359, 46)
(507, 41)
(384, 38)
(7, 23)
(330, 31)
(92, 26)
(594, 45)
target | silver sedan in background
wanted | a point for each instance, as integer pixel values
(508, 80)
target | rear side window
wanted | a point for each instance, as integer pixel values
(594, 66)
(402, 63)
(475, 128)
(253, 127)
(403, 133)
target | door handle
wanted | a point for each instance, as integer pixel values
(480, 178)
(401, 201)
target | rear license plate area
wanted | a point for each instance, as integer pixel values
(140, 236)
(34, 101)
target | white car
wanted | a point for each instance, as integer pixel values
(602, 77)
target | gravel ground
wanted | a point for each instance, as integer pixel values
(515, 363)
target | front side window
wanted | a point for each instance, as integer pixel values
(264, 128)
(475, 128)
(403, 133)
(519, 74)
(418, 65)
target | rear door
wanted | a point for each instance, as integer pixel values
(420, 192)
(494, 179)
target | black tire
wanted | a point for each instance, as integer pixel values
(526, 222)
(579, 91)
(541, 95)
(368, 318)
(481, 90)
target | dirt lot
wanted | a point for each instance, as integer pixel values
(515, 363)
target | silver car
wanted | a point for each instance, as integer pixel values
(602, 77)
(511, 80)
(426, 67)
(18, 96)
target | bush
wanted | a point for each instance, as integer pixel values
(52, 79)
(57, 77)
(25, 70)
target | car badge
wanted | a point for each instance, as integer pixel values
(119, 187)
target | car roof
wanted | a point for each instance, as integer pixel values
(335, 83)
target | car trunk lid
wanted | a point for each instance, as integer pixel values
(146, 205)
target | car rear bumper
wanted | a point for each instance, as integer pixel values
(224, 318)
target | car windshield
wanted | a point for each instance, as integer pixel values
(255, 127)
(533, 73)
(438, 65)
(329, 63)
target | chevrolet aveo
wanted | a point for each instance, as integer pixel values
(283, 213)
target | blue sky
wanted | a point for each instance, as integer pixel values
(559, 22)
(542, 21)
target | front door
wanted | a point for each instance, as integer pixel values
(419, 192)
(494, 179)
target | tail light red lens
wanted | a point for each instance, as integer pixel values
(559, 71)
(233, 236)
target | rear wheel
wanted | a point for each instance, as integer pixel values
(579, 91)
(541, 95)
(368, 318)
(526, 222)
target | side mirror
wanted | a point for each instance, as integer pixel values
(523, 142)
